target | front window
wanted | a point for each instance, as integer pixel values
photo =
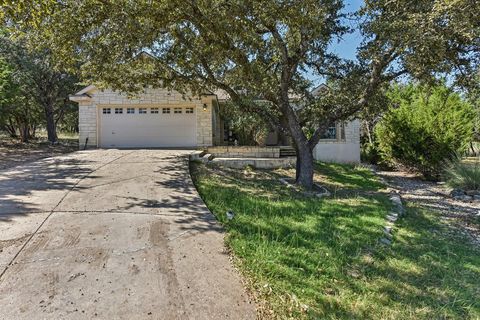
(336, 131)
(330, 133)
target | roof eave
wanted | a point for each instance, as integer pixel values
(85, 90)
(79, 98)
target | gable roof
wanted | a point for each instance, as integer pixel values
(86, 90)
(83, 95)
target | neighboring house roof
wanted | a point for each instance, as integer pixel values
(321, 88)
(222, 95)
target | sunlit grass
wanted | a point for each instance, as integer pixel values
(471, 160)
(320, 258)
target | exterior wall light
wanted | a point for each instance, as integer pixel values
(205, 107)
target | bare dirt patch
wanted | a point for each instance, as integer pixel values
(14, 153)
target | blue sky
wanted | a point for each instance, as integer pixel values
(347, 46)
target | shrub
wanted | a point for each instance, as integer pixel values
(369, 153)
(424, 128)
(465, 176)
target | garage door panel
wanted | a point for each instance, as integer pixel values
(147, 130)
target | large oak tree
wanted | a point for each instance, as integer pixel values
(258, 49)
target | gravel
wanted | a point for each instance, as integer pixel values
(459, 211)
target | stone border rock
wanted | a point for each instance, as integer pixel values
(465, 195)
(392, 217)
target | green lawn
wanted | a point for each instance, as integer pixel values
(313, 258)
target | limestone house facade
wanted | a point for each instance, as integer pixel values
(155, 118)
(161, 118)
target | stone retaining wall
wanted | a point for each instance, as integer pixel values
(258, 163)
(244, 152)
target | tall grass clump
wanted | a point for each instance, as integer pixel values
(464, 175)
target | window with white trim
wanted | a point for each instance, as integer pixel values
(106, 111)
(130, 110)
(142, 110)
(165, 110)
(177, 110)
(330, 133)
(189, 110)
(118, 110)
(335, 131)
(153, 110)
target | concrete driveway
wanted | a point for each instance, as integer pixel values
(112, 234)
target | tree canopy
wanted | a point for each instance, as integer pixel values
(258, 49)
(32, 91)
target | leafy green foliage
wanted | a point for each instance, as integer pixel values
(369, 153)
(464, 175)
(19, 114)
(32, 92)
(424, 128)
(7, 87)
(250, 128)
(425, 35)
(315, 258)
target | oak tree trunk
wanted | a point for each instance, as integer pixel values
(24, 133)
(305, 165)
(51, 127)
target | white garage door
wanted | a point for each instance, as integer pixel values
(152, 127)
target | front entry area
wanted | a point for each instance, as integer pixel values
(147, 127)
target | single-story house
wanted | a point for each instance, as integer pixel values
(161, 118)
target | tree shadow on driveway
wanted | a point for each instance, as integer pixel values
(40, 185)
(181, 201)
